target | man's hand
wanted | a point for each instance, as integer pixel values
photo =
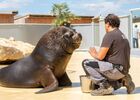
(98, 55)
(93, 52)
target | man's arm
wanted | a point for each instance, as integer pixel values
(139, 35)
(99, 55)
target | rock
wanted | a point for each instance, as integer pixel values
(11, 50)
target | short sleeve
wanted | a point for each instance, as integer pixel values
(138, 30)
(107, 40)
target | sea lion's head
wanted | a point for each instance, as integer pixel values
(71, 40)
(60, 38)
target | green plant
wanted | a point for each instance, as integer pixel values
(62, 13)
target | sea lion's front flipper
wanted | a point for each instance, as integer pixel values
(48, 81)
(64, 80)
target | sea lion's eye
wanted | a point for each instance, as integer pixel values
(66, 36)
(71, 34)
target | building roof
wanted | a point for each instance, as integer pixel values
(43, 15)
(9, 12)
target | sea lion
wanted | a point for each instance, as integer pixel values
(46, 66)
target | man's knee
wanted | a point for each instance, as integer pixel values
(84, 63)
(90, 63)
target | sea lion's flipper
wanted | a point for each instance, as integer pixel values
(48, 81)
(64, 80)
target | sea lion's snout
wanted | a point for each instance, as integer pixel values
(77, 38)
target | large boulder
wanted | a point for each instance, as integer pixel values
(11, 50)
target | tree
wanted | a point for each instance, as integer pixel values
(62, 13)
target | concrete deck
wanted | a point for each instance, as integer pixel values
(74, 69)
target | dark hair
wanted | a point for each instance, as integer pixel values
(113, 20)
(136, 25)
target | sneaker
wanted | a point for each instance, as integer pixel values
(102, 91)
(128, 83)
(116, 84)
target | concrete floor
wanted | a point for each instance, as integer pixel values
(74, 69)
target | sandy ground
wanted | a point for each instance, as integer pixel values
(74, 70)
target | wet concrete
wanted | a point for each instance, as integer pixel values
(74, 70)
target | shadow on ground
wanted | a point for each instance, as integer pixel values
(123, 91)
(76, 84)
(119, 91)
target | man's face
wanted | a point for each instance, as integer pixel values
(107, 27)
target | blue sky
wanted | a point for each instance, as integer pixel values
(78, 7)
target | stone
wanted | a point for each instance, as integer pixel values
(12, 50)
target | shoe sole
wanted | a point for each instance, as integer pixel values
(102, 92)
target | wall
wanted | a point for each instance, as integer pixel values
(27, 33)
(82, 20)
(96, 35)
(6, 18)
(33, 32)
(87, 34)
(92, 33)
(47, 20)
(50, 19)
(19, 21)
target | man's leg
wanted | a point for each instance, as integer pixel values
(90, 67)
(128, 83)
(133, 43)
(124, 80)
(136, 43)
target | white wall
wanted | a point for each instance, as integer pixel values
(92, 33)
(24, 32)
(101, 30)
(33, 32)
(125, 26)
(87, 34)
(96, 34)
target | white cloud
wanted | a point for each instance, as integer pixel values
(103, 8)
(111, 6)
(14, 3)
(102, 5)
(121, 2)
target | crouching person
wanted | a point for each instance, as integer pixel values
(110, 68)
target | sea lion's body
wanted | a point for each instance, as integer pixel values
(46, 66)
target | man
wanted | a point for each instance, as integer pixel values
(135, 36)
(112, 61)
